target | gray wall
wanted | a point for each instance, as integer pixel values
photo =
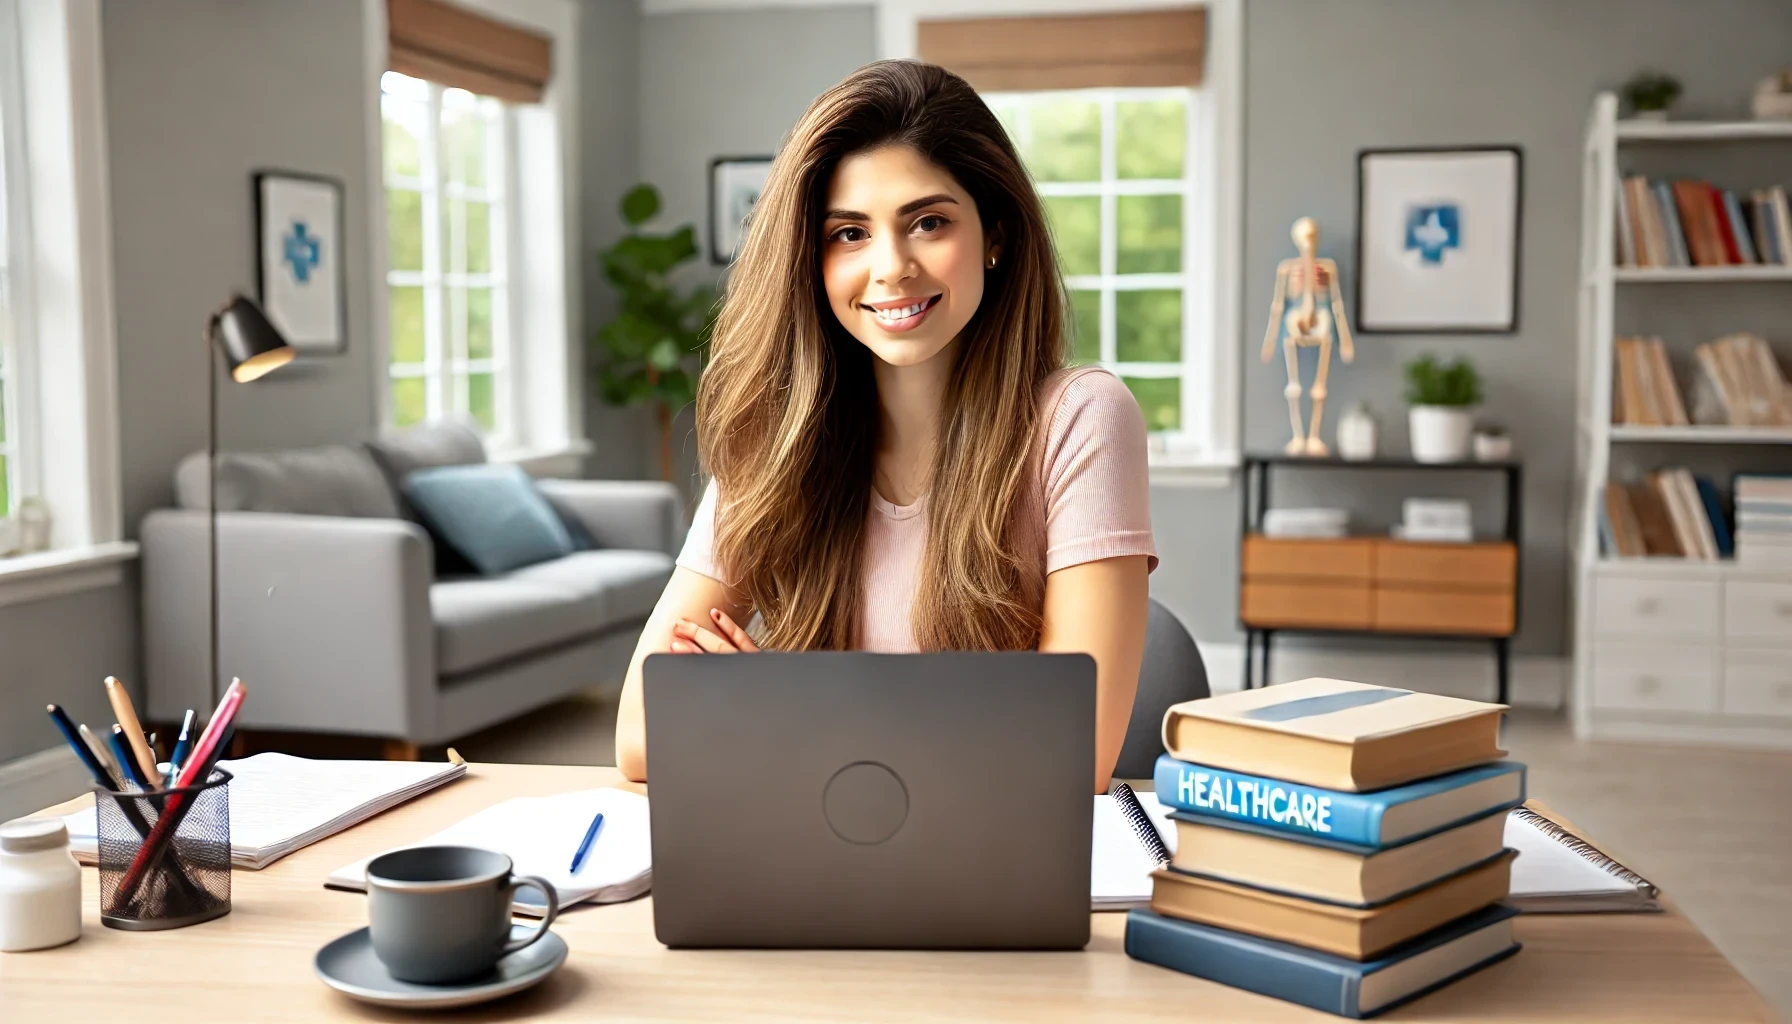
(1522, 72)
(730, 84)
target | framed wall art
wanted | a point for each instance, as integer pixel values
(303, 282)
(734, 185)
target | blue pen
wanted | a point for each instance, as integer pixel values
(578, 859)
(182, 746)
(69, 733)
(122, 751)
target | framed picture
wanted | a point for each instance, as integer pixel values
(734, 185)
(300, 272)
(1437, 240)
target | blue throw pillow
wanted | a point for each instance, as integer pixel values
(491, 514)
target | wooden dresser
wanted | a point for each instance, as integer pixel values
(1376, 585)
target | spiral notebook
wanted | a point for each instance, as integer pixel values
(1134, 836)
(1558, 872)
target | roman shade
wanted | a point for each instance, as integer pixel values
(450, 44)
(1077, 51)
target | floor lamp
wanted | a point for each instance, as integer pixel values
(252, 348)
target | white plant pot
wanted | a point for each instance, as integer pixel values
(1441, 433)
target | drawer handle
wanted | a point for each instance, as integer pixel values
(1648, 684)
(1648, 606)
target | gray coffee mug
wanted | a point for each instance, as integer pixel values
(441, 914)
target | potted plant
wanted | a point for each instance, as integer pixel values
(1651, 94)
(651, 351)
(1443, 398)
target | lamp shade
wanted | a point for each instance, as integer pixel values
(252, 345)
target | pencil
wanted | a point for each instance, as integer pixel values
(114, 771)
(133, 730)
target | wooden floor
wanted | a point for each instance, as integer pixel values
(1713, 828)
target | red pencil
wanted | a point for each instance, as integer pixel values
(197, 769)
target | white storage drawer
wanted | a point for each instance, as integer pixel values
(1639, 677)
(1758, 683)
(1659, 608)
(1758, 611)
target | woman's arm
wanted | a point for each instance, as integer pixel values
(1098, 608)
(688, 596)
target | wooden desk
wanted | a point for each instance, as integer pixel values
(255, 964)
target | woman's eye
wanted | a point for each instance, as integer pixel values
(850, 233)
(931, 222)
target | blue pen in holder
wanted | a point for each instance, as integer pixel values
(188, 880)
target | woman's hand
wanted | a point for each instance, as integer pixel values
(721, 637)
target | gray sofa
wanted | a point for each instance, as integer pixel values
(332, 611)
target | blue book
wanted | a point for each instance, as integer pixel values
(1678, 255)
(1376, 819)
(1714, 510)
(1318, 980)
(1739, 227)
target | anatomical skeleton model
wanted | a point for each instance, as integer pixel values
(1313, 284)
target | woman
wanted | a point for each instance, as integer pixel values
(900, 461)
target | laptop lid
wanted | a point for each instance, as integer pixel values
(856, 800)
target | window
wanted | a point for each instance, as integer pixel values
(1117, 170)
(448, 300)
(14, 251)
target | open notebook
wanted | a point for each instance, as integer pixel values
(1557, 872)
(280, 803)
(539, 835)
(1133, 837)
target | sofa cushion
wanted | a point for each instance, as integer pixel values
(481, 622)
(630, 581)
(491, 514)
(400, 453)
(335, 480)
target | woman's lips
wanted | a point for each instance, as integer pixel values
(905, 323)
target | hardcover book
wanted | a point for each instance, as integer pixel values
(1328, 871)
(1348, 988)
(1383, 818)
(1335, 734)
(1351, 932)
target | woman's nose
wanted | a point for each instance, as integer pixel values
(890, 258)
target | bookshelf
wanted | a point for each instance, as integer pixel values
(1669, 649)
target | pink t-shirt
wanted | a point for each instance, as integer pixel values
(1097, 505)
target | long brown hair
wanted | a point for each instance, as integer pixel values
(787, 410)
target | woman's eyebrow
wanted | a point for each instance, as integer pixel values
(907, 208)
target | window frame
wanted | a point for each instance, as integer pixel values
(18, 420)
(1207, 450)
(447, 368)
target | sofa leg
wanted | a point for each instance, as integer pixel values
(401, 750)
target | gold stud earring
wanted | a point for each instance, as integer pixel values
(992, 262)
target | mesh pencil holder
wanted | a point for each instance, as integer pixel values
(164, 855)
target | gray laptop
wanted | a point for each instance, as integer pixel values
(890, 801)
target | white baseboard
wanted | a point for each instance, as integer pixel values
(38, 780)
(1536, 682)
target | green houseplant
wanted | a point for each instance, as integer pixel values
(652, 350)
(1443, 398)
(1651, 94)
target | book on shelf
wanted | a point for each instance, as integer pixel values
(1620, 532)
(1692, 223)
(1385, 817)
(1335, 734)
(1671, 514)
(1659, 538)
(1647, 393)
(1740, 383)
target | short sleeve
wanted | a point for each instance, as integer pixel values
(1096, 475)
(699, 551)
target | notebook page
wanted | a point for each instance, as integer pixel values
(1119, 865)
(277, 798)
(1547, 868)
(540, 835)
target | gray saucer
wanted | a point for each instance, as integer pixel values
(349, 966)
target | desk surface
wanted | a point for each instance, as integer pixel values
(255, 964)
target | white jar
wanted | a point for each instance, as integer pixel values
(40, 886)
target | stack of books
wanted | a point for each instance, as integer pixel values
(1646, 394)
(1692, 223)
(1671, 514)
(1740, 383)
(1339, 845)
(1435, 519)
(1764, 522)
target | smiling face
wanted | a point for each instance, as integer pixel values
(903, 254)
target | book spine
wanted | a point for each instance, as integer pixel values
(1239, 962)
(1745, 244)
(1782, 224)
(1720, 225)
(1668, 244)
(1677, 210)
(1626, 237)
(1284, 806)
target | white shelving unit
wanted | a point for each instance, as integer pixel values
(1666, 649)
